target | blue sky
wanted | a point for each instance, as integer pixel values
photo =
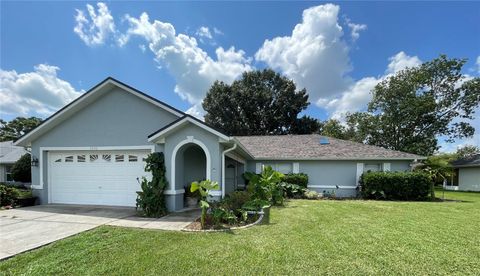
(337, 51)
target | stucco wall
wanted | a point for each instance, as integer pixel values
(117, 118)
(332, 173)
(209, 140)
(469, 179)
(2, 173)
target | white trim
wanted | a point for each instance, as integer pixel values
(44, 149)
(174, 192)
(360, 167)
(93, 92)
(386, 167)
(223, 167)
(296, 167)
(330, 187)
(181, 122)
(236, 158)
(189, 139)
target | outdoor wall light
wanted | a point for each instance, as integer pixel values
(34, 161)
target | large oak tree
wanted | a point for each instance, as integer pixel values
(260, 103)
(17, 127)
(412, 108)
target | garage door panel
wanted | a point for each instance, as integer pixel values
(96, 177)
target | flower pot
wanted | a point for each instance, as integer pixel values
(192, 201)
(266, 215)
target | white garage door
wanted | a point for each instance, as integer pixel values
(96, 177)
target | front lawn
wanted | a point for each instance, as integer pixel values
(305, 237)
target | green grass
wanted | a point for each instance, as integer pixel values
(305, 237)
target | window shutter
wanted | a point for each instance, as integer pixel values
(258, 168)
(296, 167)
(359, 172)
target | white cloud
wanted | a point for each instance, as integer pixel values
(193, 69)
(95, 29)
(204, 32)
(142, 47)
(315, 55)
(401, 61)
(355, 29)
(35, 93)
(217, 31)
(197, 111)
(357, 96)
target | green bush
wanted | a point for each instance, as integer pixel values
(299, 179)
(396, 185)
(292, 190)
(265, 186)
(22, 170)
(151, 199)
(8, 195)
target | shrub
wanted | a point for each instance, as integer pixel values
(396, 185)
(22, 170)
(265, 186)
(311, 194)
(151, 199)
(204, 187)
(8, 195)
(236, 200)
(292, 190)
(299, 179)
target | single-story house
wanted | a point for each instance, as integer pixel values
(468, 173)
(92, 152)
(9, 154)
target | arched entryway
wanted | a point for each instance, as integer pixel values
(190, 162)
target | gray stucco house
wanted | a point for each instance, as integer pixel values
(92, 150)
(9, 154)
(468, 173)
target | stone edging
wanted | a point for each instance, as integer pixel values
(228, 229)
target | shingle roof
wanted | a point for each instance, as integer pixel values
(305, 147)
(9, 153)
(471, 161)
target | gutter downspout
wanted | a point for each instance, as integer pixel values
(223, 167)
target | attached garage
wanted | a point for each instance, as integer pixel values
(95, 177)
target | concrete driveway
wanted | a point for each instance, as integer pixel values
(31, 227)
(27, 228)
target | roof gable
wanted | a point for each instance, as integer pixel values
(106, 85)
(186, 119)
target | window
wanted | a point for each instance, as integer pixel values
(69, 159)
(119, 157)
(80, 158)
(132, 158)
(58, 160)
(8, 173)
(372, 167)
(107, 157)
(93, 157)
(283, 167)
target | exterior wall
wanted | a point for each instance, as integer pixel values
(184, 134)
(118, 118)
(469, 179)
(325, 175)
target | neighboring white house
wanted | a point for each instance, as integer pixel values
(9, 154)
(468, 172)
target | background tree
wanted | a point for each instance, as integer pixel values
(17, 127)
(22, 170)
(260, 103)
(410, 109)
(467, 151)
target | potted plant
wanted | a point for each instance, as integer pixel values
(191, 198)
